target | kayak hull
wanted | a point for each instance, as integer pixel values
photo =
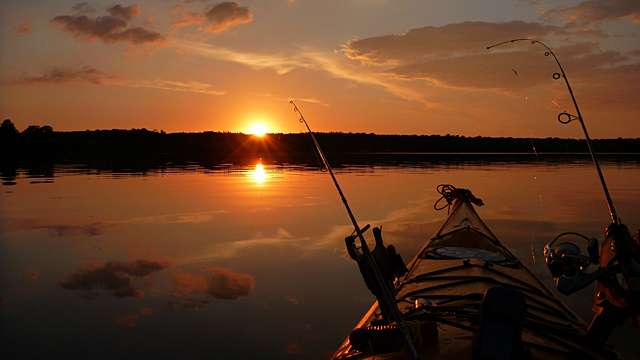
(446, 286)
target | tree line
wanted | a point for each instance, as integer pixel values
(150, 148)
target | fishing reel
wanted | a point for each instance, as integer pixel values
(565, 260)
(617, 290)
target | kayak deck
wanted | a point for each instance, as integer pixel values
(446, 284)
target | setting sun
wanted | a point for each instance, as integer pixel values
(258, 129)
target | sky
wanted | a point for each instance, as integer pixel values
(374, 66)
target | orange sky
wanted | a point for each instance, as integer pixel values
(381, 66)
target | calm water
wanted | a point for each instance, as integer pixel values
(249, 262)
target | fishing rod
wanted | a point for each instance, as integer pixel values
(395, 313)
(615, 300)
(569, 117)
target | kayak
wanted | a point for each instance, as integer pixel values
(466, 296)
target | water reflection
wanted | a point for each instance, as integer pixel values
(259, 174)
(138, 254)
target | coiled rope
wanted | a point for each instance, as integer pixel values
(450, 193)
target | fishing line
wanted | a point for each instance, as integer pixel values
(284, 120)
(533, 255)
(366, 255)
(327, 182)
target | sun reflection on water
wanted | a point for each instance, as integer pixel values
(259, 174)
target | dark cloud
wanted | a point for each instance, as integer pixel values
(90, 29)
(598, 11)
(114, 276)
(93, 229)
(455, 56)
(227, 14)
(127, 292)
(220, 17)
(82, 8)
(445, 41)
(225, 284)
(126, 13)
(189, 304)
(220, 283)
(110, 29)
(493, 70)
(135, 36)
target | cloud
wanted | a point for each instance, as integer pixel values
(598, 11)
(219, 283)
(100, 227)
(313, 101)
(90, 29)
(191, 304)
(182, 86)
(57, 75)
(127, 292)
(93, 229)
(114, 276)
(110, 29)
(86, 74)
(444, 41)
(304, 58)
(82, 8)
(135, 36)
(24, 29)
(126, 13)
(454, 56)
(219, 18)
(495, 70)
(127, 321)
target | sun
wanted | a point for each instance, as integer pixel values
(258, 130)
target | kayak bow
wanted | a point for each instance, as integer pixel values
(467, 296)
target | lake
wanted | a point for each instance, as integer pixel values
(238, 262)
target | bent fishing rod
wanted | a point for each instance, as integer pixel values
(569, 117)
(395, 313)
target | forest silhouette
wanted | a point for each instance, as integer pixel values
(140, 149)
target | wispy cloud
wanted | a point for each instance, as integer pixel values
(100, 228)
(59, 74)
(182, 86)
(313, 101)
(281, 63)
(303, 58)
